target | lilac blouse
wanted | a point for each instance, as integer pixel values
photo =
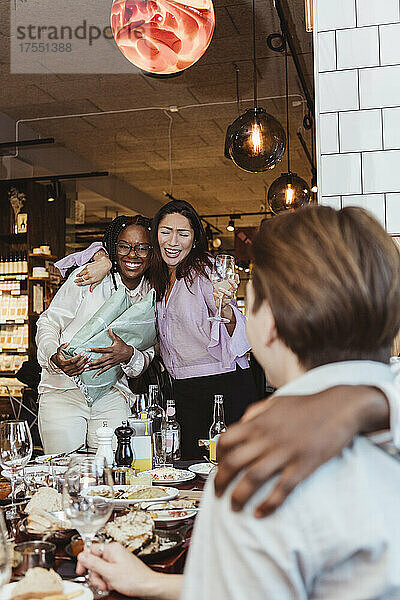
(192, 346)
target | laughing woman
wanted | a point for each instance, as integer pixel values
(65, 419)
(203, 357)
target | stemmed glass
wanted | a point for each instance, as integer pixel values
(15, 452)
(5, 554)
(88, 511)
(223, 269)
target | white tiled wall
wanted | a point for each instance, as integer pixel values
(357, 77)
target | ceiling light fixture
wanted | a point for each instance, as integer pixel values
(217, 242)
(255, 141)
(162, 38)
(289, 191)
(308, 11)
(231, 225)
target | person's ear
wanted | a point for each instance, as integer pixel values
(270, 331)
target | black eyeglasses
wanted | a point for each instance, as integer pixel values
(141, 250)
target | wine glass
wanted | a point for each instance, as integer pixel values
(15, 452)
(223, 269)
(5, 554)
(88, 511)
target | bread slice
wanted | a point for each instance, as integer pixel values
(45, 498)
(37, 583)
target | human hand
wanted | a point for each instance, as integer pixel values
(71, 366)
(292, 436)
(223, 291)
(119, 352)
(115, 568)
(93, 273)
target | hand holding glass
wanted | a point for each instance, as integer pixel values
(223, 270)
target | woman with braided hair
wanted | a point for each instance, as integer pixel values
(65, 419)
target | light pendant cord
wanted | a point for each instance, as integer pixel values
(254, 54)
(287, 107)
(171, 174)
(237, 88)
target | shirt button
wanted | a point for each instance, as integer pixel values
(164, 334)
(163, 316)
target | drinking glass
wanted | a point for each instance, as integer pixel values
(223, 269)
(159, 449)
(5, 554)
(86, 511)
(15, 452)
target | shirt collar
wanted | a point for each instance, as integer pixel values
(352, 372)
(138, 291)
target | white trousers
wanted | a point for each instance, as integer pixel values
(66, 421)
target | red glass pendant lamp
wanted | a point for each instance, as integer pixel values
(162, 37)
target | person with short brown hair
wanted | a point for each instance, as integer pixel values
(323, 310)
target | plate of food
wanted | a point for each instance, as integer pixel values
(202, 469)
(39, 472)
(43, 583)
(56, 459)
(167, 514)
(136, 531)
(168, 475)
(133, 494)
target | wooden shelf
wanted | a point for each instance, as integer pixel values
(48, 256)
(39, 278)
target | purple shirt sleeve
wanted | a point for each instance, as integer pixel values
(78, 259)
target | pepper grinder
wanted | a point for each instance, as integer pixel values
(124, 452)
(104, 437)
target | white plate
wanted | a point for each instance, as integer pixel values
(182, 477)
(169, 515)
(202, 469)
(68, 588)
(64, 461)
(170, 494)
(40, 470)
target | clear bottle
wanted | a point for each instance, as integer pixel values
(218, 425)
(155, 412)
(171, 433)
(24, 268)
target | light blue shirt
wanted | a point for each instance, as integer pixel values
(336, 537)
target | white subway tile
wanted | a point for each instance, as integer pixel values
(379, 87)
(374, 203)
(335, 14)
(329, 133)
(360, 130)
(376, 12)
(357, 48)
(393, 213)
(326, 51)
(381, 171)
(338, 91)
(341, 174)
(390, 47)
(332, 201)
(391, 128)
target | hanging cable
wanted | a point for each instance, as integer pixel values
(254, 53)
(237, 87)
(171, 175)
(287, 106)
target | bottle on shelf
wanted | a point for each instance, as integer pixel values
(24, 263)
(2, 265)
(124, 453)
(218, 426)
(104, 437)
(171, 433)
(155, 412)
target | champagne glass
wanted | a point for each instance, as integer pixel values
(223, 269)
(15, 452)
(5, 554)
(88, 511)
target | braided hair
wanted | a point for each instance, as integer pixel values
(111, 236)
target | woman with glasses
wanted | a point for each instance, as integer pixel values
(65, 419)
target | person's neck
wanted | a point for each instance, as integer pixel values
(131, 284)
(284, 368)
(172, 275)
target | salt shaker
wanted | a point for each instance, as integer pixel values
(104, 437)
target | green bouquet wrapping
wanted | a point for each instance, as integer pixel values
(135, 324)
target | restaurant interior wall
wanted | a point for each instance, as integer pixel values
(357, 80)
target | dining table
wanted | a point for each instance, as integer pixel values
(65, 564)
